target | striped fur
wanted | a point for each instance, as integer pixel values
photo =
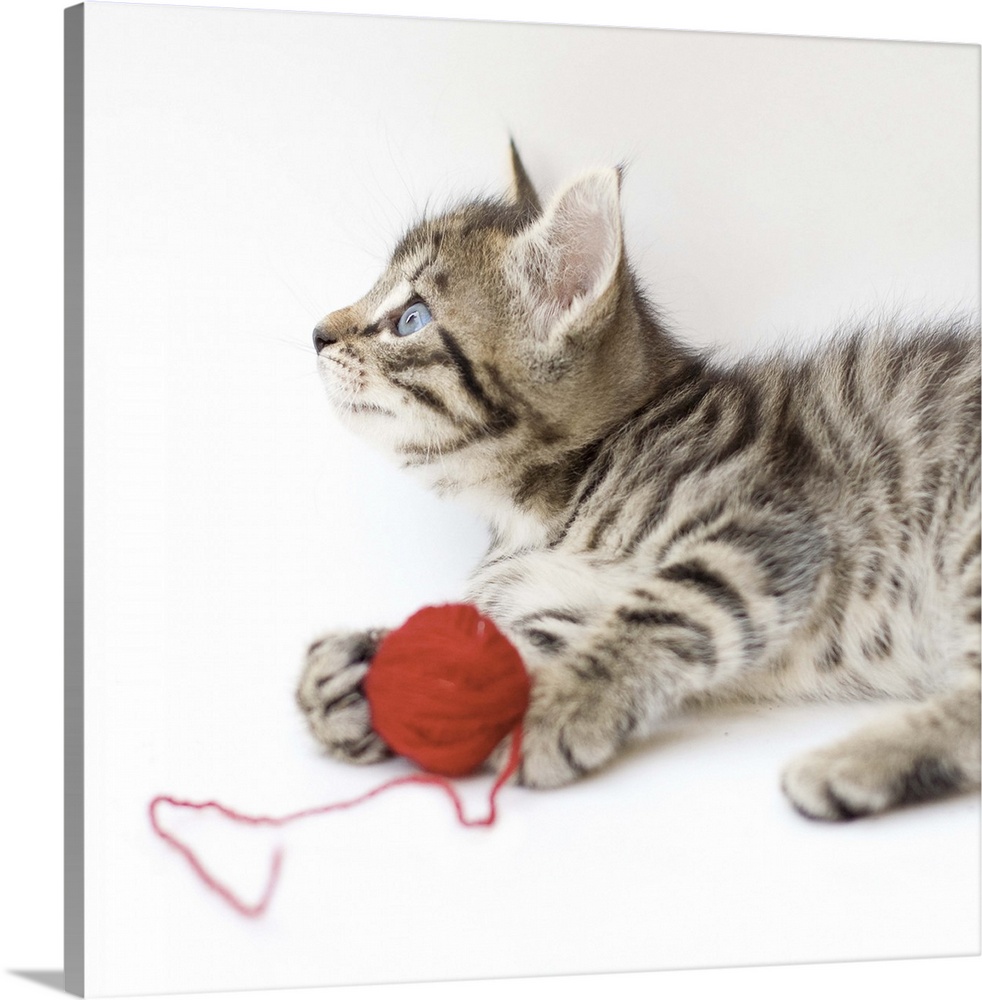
(667, 531)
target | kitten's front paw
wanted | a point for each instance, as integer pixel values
(573, 726)
(330, 696)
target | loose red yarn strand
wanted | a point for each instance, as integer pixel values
(257, 909)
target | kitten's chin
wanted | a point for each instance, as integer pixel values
(396, 430)
(374, 422)
(348, 398)
(367, 420)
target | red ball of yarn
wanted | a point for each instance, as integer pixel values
(446, 688)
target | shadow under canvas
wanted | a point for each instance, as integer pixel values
(54, 978)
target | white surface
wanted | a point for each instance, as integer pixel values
(728, 903)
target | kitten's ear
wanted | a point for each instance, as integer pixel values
(564, 263)
(522, 192)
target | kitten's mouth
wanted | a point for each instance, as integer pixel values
(346, 385)
(334, 362)
(340, 375)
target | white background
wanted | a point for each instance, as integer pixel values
(712, 865)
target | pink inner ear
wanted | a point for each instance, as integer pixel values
(571, 257)
(581, 237)
(565, 262)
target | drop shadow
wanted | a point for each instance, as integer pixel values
(53, 978)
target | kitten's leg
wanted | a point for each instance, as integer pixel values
(331, 697)
(607, 676)
(616, 649)
(923, 752)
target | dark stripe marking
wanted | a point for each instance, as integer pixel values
(548, 642)
(342, 701)
(970, 554)
(657, 617)
(414, 277)
(567, 753)
(558, 615)
(500, 418)
(427, 398)
(589, 668)
(695, 573)
(929, 778)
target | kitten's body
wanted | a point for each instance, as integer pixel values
(665, 531)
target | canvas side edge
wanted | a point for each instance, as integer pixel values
(74, 203)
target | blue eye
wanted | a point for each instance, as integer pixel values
(413, 320)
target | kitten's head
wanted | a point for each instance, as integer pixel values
(502, 322)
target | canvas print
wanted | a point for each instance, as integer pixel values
(531, 483)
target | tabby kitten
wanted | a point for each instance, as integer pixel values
(667, 531)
